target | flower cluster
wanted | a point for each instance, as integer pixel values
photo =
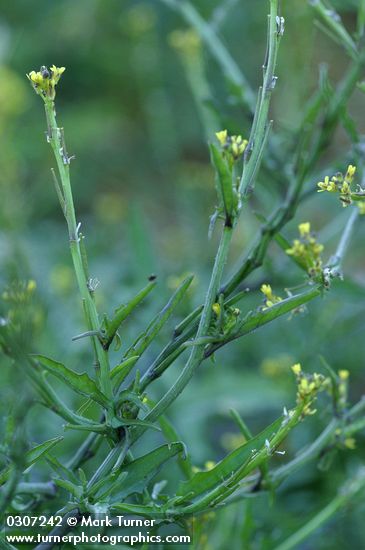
(19, 292)
(234, 145)
(45, 80)
(308, 387)
(186, 42)
(343, 376)
(342, 402)
(208, 465)
(19, 308)
(307, 250)
(342, 184)
(270, 297)
(225, 318)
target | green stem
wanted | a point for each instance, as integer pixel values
(56, 140)
(197, 352)
(260, 126)
(311, 452)
(286, 210)
(108, 463)
(306, 455)
(195, 73)
(360, 19)
(348, 493)
(257, 141)
(335, 26)
(216, 47)
(334, 265)
(84, 452)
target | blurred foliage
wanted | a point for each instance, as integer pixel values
(144, 191)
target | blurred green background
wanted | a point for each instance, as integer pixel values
(144, 191)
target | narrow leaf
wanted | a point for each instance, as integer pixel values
(259, 318)
(144, 340)
(32, 456)
(38, 451)
(244, 429)
(75, 490)
(60, 469)
(204, 481)
(125, 310)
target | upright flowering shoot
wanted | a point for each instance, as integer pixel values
(307, 251)
(308, 387)
(45, 81)
(225, 160)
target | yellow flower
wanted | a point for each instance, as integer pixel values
(327, 185)
(297, 369)
(31, 286)
(238, 146)
(222, 137)
(36, 78)
(233, 145)
(350, 173)
(304, 229)
(341, 184)
(304, 386)
(298, 249)
(57, 72)
(361, 207)
(45, 80)
(345, 189)
(350, 443)
(266, 290)
(217, 309)
(307, 250)
(343, 374)
(307, 411)
(186, 42)
(271, 298)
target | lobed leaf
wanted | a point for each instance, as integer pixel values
(144, 468)
(80, 383)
